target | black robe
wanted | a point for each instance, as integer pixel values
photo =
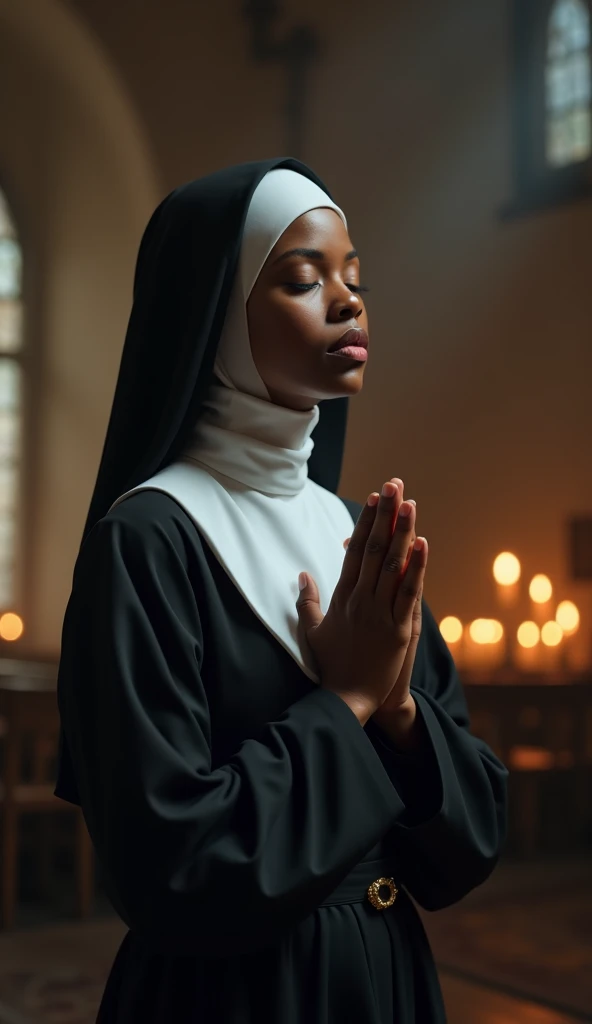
(239, 812)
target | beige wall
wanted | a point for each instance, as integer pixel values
(477, 390)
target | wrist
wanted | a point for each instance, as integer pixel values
(360, 708)
(400, 724)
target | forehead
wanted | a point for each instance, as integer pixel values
(322, 229)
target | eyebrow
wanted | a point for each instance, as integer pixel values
(312, 254)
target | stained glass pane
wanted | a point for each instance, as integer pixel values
(9, 436)
(10, 268)
(569, 24)
(9, 384)
(11, 325)
(582, 77)
(8, 489)
(557, 143)
(568, 83)
(559, 86)
(10, 407)
(581, 133)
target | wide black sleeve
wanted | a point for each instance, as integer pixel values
(194, 858)
(449, 839)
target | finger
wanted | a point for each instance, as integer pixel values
(397, 480)
(394, 480)
(411, 542)
(399, 483)
(356, 546)
(395, 559)
(403, 683)
(379, 538)
(410, 589)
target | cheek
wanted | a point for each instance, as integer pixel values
(281, 318)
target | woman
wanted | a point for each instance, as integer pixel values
(251, 759)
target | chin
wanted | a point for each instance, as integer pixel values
(348, 385)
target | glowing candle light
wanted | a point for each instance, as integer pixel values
(506, 573)
(568, 617)
(11, 626)
(540, 589)
(552, 637)
(551, 634)
(506, 569)
(528, 649)
(484, 647)
(528, 634)
(451, 629)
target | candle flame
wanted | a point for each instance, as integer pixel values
(528, 634)
(11, 626)
(551, 634)
(451, 629)
(506, 569)
(568, 617)
(541, 589)
(486, 631)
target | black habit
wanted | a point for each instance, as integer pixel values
(239, 812)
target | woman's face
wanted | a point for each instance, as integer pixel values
(303, 302)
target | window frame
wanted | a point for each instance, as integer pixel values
(536, 184)
(20, 598)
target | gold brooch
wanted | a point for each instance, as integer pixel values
(375, 897)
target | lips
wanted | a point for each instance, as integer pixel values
(354, 338)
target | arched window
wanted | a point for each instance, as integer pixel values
(551, 103)
(568, 84)
(10, 400)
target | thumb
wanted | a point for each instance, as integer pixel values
(308, 604)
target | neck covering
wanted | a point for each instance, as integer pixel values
(243, 476)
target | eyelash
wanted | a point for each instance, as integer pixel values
(355, 288)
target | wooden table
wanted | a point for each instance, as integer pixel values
(541, 728)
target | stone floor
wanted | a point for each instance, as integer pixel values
(469, 1003)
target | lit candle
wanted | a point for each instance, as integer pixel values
(484, 647)
(540, 592)
(11, 626)
(551, 637)
(451, 629)
(567, 617)
(528, 648)
(506, 573)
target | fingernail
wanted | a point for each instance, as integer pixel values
(301, 581)
(411, 501)
(405, 509)
(373, 499)
(388, 489)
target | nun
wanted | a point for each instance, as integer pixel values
(261, 722)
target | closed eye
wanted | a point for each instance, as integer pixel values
(357, 288)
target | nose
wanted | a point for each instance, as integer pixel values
(346, 307)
